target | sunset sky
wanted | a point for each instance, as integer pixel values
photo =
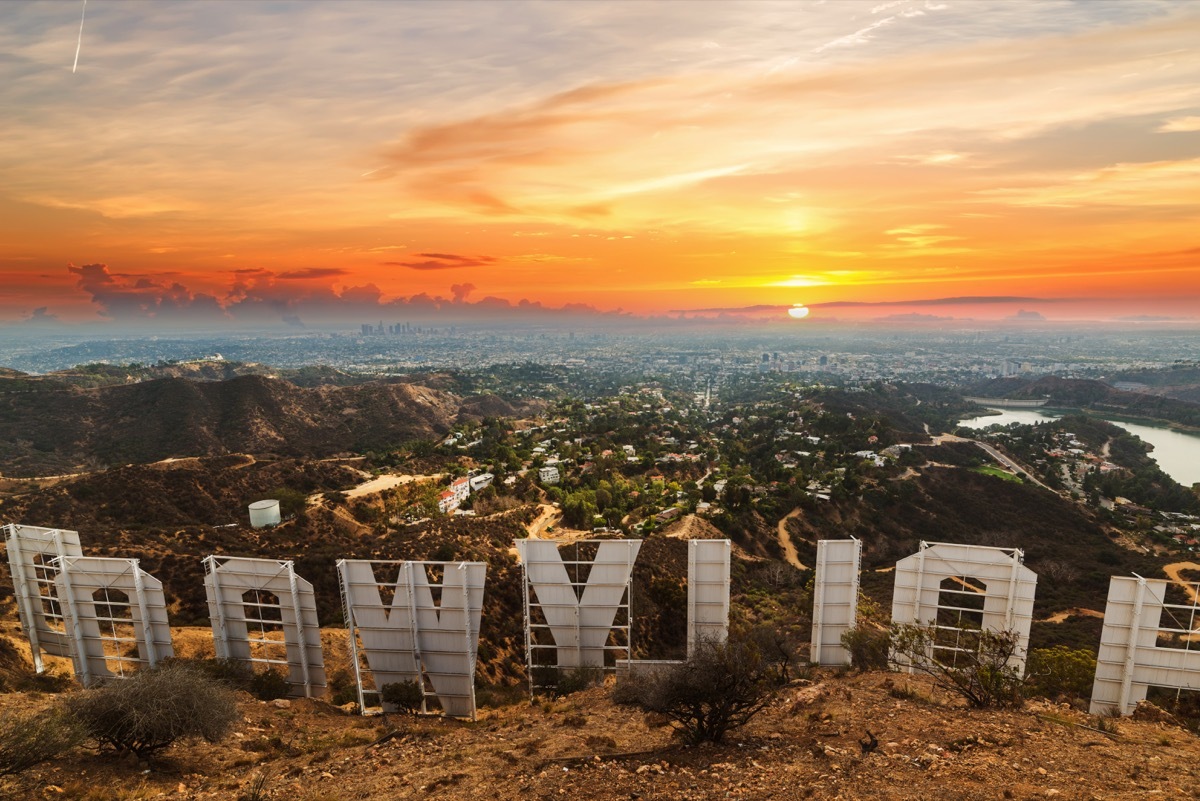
(210, 159)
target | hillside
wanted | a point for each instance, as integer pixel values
(1072, 550)
(805, 745)
(172, 515)
(1180, 381)
(48, 428)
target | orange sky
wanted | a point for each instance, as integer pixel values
(643, 156)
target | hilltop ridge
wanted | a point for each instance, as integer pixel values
(52, 428)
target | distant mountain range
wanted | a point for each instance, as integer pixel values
(49, 426)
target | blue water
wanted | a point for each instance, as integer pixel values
(1177, 454)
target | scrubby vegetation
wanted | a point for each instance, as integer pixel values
(720, 688)
(154, 708)
(31, 738)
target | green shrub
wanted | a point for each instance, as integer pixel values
(1061, 672)
(557, 682)
(154, 708)
(342, 688)
(267, 685)
(403, 696)
(32, 738)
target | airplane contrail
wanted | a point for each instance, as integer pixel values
(79, 43)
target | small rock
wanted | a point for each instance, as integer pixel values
(282, 703)
(1041, 771)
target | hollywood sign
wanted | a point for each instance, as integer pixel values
(419, 621)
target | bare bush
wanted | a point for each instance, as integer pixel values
(978, 666)
(718, 689)
(778, 644)
(154, 708)
(32, 738)
(868, 647)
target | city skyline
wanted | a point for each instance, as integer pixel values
(267, 162)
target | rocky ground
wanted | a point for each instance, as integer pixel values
(808, 744)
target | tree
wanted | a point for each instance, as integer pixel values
(721, 687)
(978, 666)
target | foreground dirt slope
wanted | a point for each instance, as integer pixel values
(805, 746)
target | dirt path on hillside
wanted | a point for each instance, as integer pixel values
(785, 540)
(686, 530)
(547, 516)
(1059, 617)
(1173, 572)
(388, 481)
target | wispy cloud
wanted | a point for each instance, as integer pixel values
(1180, 125)
(443, 261)
(312, 273)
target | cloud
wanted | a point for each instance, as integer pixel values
(262, 297)
(1180, 125)
(41, 316)
(1026, 316)
(119, 298)
(461, 291)
(443, 261)
(310, 273)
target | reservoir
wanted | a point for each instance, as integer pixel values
(1177, 454)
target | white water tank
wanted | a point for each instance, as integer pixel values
(264, 513)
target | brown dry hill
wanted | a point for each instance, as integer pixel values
(806, 745)
(52, 428)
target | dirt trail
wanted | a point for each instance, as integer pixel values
(686, 530)
(1059, 617)
(1173, 572)
(785, 540)
(388, 481)
(547, 516)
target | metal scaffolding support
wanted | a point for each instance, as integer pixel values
(1007, 593)
(708, 592)
(580, 616)
(135, 614)
(277, 629)
(414, 638)
(31, 552)
(1137, 651)
(835, 599)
